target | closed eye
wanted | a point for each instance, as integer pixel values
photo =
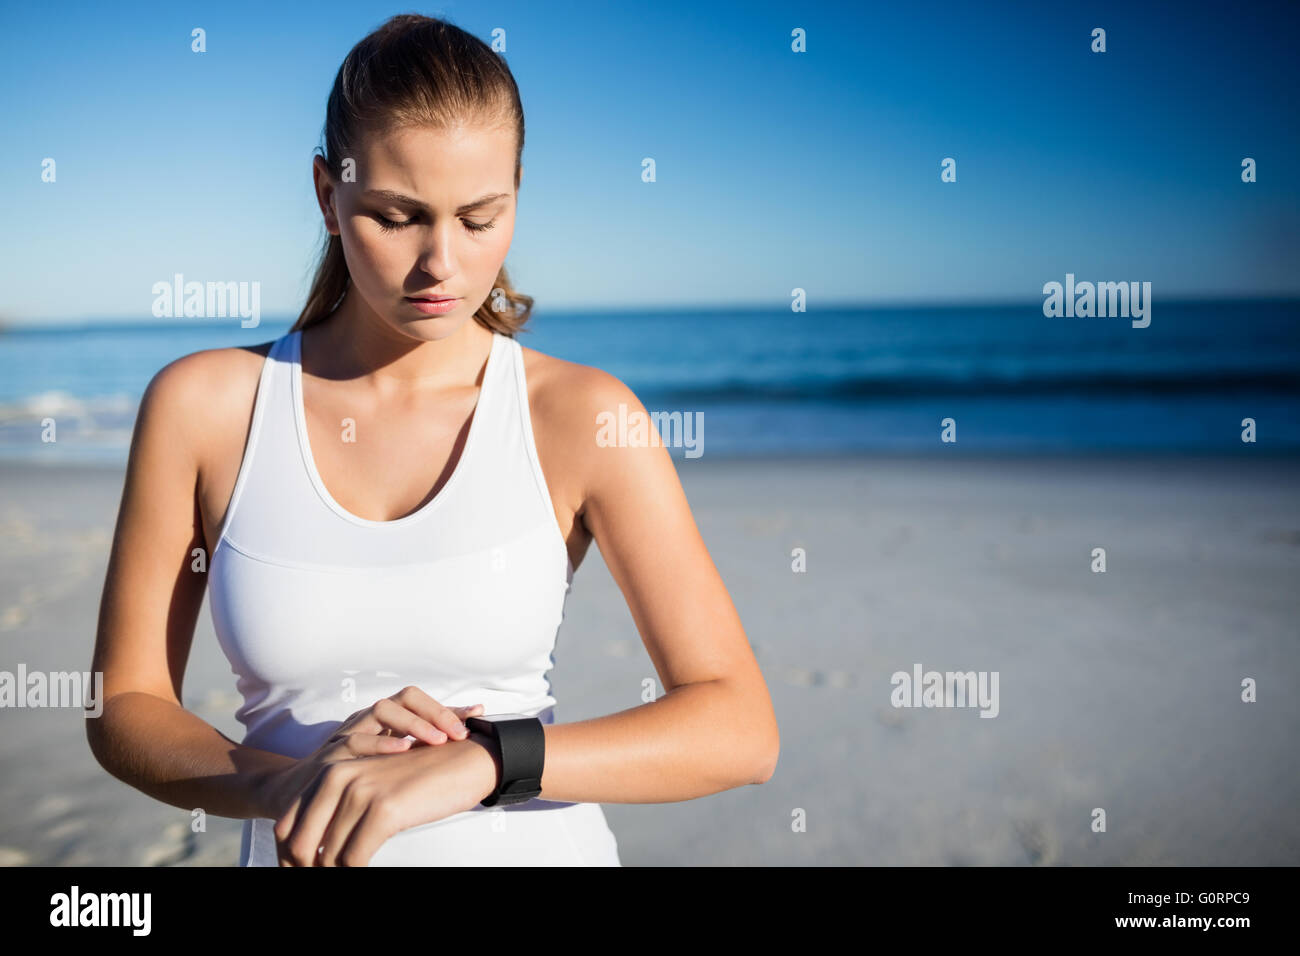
(390, 225)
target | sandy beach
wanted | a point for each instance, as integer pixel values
(1119, 690)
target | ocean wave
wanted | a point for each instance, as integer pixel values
(1054, 382)
(56, 403)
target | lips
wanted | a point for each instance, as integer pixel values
(438, 306)
(432, 298)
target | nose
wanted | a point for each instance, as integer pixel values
(437, 256)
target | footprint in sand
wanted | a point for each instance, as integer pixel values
(17, 528)
(804, 677)
(16, 615)
(13, 618)
(51, 806)
(801, 677)
(177, 844)
(891, 717)
(12, 856)
(69, 581)
(71, 827)
(1036, 840)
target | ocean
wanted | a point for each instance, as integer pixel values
(997, 378)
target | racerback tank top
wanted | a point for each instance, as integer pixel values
(321, 612)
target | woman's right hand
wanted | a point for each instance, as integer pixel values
(380, 728)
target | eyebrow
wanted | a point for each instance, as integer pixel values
(394, 196)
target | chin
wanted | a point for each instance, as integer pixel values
(432, 327)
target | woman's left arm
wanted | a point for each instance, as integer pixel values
(714, 728)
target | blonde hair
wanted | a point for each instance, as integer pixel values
(416, 71)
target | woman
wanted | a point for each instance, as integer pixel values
(368, 615)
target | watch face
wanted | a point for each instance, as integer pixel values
(498, 717)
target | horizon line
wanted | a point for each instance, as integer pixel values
(9, 324)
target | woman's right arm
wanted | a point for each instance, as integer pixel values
(147, 613)
(151, 600)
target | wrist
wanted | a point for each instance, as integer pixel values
(490, 765)
(264, 788)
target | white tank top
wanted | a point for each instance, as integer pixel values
(321, 612)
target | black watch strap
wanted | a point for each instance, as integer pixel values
(521, 747)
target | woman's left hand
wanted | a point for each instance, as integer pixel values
(353, 806)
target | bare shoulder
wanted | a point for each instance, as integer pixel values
(568, 390)
(213, 368)
(205, 389)
(568, 402)
(203, 404)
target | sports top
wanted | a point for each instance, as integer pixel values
(321, 612)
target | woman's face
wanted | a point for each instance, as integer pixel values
(413, 226)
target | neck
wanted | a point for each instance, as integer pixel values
(355, 343)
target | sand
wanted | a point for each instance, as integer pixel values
(1118, 690)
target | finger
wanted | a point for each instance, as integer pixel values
(395, 716)
(441, 716)
(285, 826)
(315, 815)
(351, 807)
(346, 747)
(473, 710)
(389, 718)
(367, 837)
(349, 723)
(463, 714)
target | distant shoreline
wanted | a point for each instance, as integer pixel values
(1283, 458)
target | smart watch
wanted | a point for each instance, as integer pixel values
(520, 744)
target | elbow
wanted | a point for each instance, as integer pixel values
(766, 751)
(98, 741)
(767, 769)
(102, 739)
(767, 764)
(93, 735)
(756, 726)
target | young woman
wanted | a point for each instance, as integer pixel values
(395, 496)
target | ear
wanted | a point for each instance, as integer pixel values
(325, 194)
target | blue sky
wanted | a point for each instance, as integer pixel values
(776, 170)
